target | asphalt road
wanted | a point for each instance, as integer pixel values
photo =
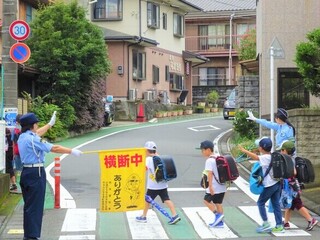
(81, 178)
(180, 140)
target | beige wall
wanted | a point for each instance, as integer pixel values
(289, 21)
(130, 25)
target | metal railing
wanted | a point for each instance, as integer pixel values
(218, 43)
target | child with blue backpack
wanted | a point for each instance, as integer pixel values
(272, 188)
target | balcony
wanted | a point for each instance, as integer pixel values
(217, 46)
(211, 80)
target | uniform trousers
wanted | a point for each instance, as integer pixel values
(33, 186)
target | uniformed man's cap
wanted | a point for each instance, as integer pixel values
(28, 119)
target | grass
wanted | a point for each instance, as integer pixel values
(9, 203)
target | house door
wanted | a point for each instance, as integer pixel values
(291, 90)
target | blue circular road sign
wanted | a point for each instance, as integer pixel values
(20, 52)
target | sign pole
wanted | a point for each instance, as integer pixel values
(272, 92)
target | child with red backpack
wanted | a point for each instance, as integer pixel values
(15, 137)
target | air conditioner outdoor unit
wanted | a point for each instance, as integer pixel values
(148, 95)
(132, 94)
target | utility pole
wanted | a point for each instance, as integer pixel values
(9, 70)
(230, 49)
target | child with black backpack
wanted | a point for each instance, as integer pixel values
(272, 188)
(155, 188)
(287, 147)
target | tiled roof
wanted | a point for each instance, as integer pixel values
(224, 5)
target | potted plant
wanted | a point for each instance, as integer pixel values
(212, 98)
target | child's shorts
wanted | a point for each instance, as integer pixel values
(216, 198)
(163, 193)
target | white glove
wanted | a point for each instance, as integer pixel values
(53, 119)
(76, 152)
(251, 117)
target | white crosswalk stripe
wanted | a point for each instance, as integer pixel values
(83, 220)
(200, 218)
(153, 228)
(252, 212)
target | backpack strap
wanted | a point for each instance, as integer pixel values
(266, 173)
(213, 173)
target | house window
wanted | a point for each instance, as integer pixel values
(176, 82)
(167, 73)
(155, 74)
(291, 90)
(212, 76)
(153, 15)
(164, 21)
(107, 9)
(243, 29)
(214, 36)
(138, 65)
(178, 23)
(28, 13)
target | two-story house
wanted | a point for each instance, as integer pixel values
(145, 41)
(215, 33)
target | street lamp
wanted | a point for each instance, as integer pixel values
(230, 49)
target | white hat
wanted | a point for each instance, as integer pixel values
(150, 145)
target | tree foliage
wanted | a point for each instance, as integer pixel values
(308, 61)
(247, 47)
(71, 55)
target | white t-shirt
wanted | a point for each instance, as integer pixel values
(152, 184)
(211, 165)
(265, 160)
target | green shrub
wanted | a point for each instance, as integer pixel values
(44, 113)
(245, 128)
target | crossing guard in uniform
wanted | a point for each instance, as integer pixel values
(33, 177)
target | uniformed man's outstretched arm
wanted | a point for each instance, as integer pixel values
(61, 149)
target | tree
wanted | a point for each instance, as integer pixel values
(308, 61)
(71, 55)
(247, 47)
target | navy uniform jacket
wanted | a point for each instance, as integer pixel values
(32, 148)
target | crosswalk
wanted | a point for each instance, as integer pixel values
(240, 222)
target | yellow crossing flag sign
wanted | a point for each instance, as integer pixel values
(122, 184)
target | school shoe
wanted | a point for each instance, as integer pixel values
(174, 220)
(312, 224)
(13, 187)
(219, 225)
(286, 225)
(265, 227)
(218, 218)
(141, 219)
(278, 229)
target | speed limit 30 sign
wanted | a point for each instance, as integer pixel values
(19, 30)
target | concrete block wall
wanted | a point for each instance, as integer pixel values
(199, 93)
(248, 93)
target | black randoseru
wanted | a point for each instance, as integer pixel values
(305, 170)
(282, 165)
(169, 168)
(165, 169)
